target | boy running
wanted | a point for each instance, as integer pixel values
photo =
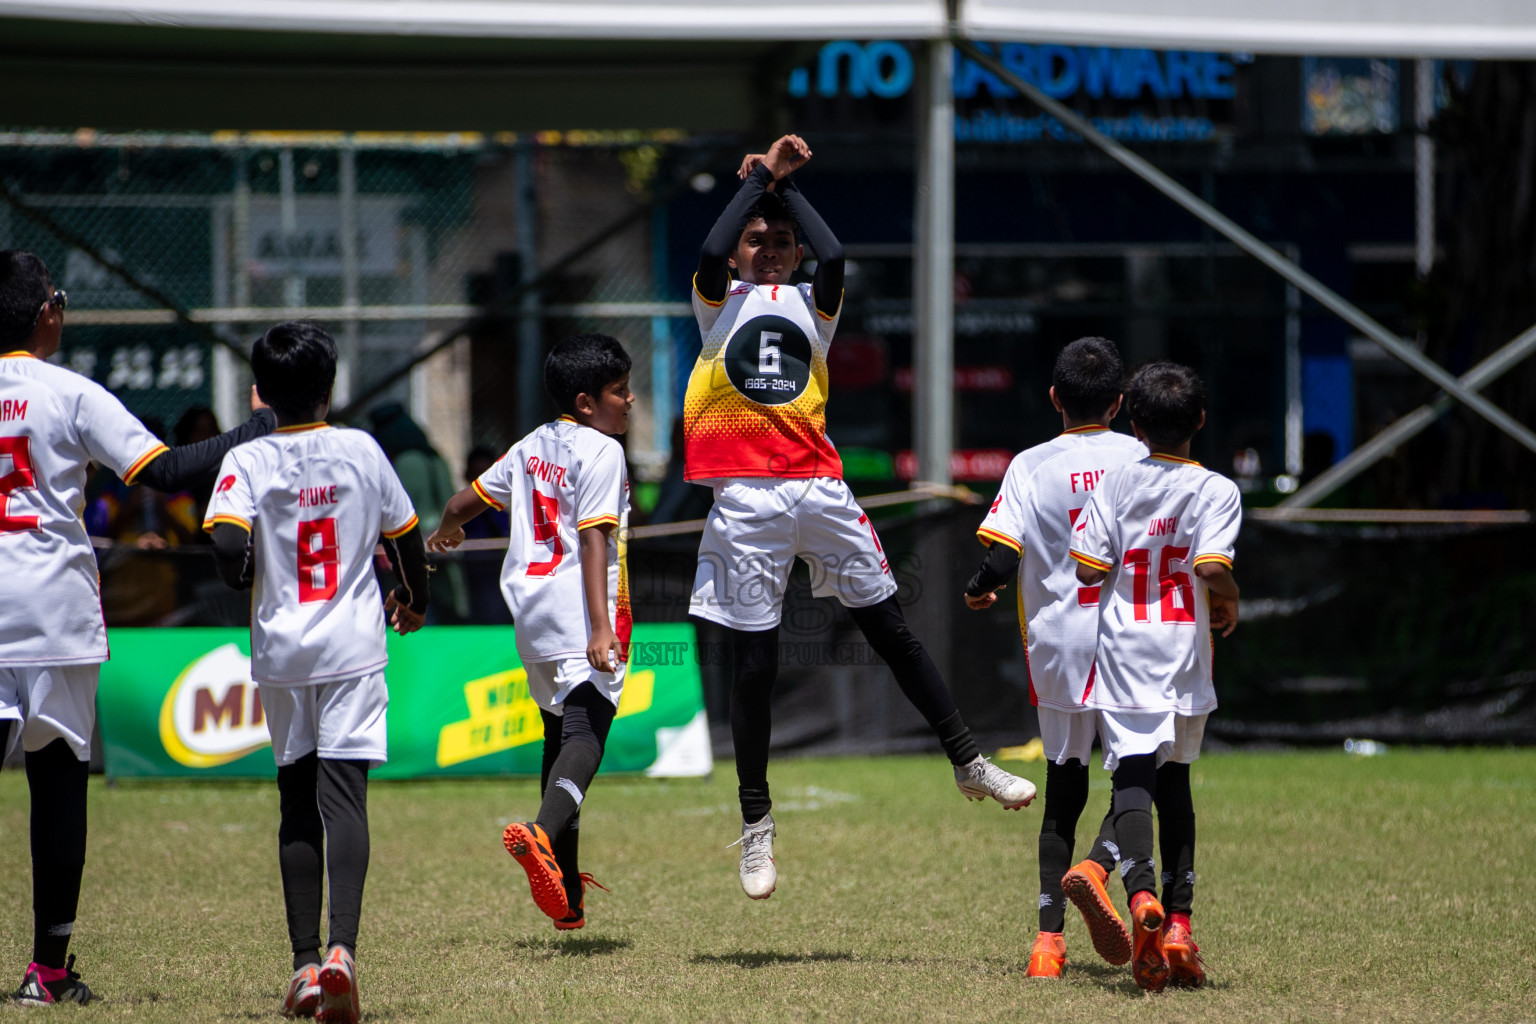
(296, 517)
(1157, 536)
(1028, 532)
(755, 423)
(566, 489)
(53, 423)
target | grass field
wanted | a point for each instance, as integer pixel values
(1395, 888)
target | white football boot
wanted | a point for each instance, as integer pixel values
(981, 779)
(758, 875)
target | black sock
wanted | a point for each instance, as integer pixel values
(308, 958)
(888, 633)
(343, 795)
(583, 734)
(565, 844)
(301, 854)
(755, 657)
(1176, 837)
(1066, 794)
(1105, 852)
(57, 781)
(1135, 782)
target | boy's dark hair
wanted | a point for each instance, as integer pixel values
(24, 287)
(1166, 401)
(771, 209)
(1088, 377)
(295, 367)
(583, 365)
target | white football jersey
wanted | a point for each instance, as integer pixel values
(52, 423)
(1036, 508)
(316, 499)
(1148, 525)
(560, 479)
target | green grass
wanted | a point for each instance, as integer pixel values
(1395, 888)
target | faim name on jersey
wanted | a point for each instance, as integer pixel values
(12, 409)
(1088, 479)
(309, 497)
(541, 469)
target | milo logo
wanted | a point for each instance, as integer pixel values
(212, 714)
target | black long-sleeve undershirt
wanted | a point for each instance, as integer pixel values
(190, 466)
(714, 278)
(998, 568)
(407, 554)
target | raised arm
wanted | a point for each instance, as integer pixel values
(714, 277)
(192, 465)
(827, 285)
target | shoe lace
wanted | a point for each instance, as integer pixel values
(754, 848)
(587, 880)
(989, 774)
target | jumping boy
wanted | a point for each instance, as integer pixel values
(53, 423)
(755, 425)
(296, 516)
(566, 489)
(1157, 537)
(1028, 532)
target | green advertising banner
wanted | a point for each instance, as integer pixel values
(180, 703)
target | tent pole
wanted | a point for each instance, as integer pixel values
(1265, 254)
(1384, 443)
(933, 288)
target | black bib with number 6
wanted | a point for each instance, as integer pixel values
(768, 360)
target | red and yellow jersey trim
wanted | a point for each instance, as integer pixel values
(17, 355)
(990, 537)
(1091, 562)
(826, 317)
(225, 517)
(566, 417)
(410, 524)
(1211, 557)
(299, 428)
(603, 520)
(142, 461)
(485, 497)
(711, 303)
(1160, 457)
(1087, 428)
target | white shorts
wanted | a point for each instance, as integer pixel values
(52, 702)
(341, 720)
(1172, 737)
(756, 530)
(1067, 734)
(550, 682)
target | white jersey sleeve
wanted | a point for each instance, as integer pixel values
(1004, 521)
(705, 311)
(233, 501)
(1219, 517)
(826, 326)
(495, 485)
(600, 497)
(397, 516)
(112, 435)
(1094, 539)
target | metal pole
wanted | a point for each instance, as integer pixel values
(530, 334)
(293, 283)
(1266, 255)
(1294, 412)
(1424, 168)
(1384, 443)
(661, 339)
(933, 271)
(350, 362)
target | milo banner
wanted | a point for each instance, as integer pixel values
(180, 703)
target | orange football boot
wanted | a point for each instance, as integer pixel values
(578, 915)
(1185, 967)
(529, 846)
(1084, 886)
(1048, 957)
(1149, 963)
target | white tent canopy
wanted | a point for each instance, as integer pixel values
(1425, 28)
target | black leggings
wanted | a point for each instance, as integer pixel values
(573, 751)
(322, 834)
(56, 781)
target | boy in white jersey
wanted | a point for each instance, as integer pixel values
(53, 424)
(1157, 537)
(565, 488)
(754, 421)
(296, 516)
(1028, 532)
